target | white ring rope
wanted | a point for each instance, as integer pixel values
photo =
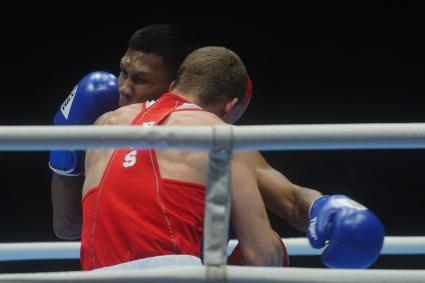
(232, 274)
(280, 137)
(295, 246)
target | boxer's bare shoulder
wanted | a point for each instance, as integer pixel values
(121, 116)
(192, 118)
(96, 160)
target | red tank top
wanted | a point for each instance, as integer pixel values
(134, 213)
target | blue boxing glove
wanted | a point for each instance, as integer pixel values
(352, 234)
(95, 94)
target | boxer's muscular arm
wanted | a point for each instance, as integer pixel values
(66, 202)
(259, 246)
(289, 201)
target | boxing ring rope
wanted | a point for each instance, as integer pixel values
(234, 274)
(219, 141)
(295, 247)
(279, 137)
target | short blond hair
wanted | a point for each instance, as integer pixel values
(215, 73)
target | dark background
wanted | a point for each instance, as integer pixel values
(351, 64)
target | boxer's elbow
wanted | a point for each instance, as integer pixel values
(67, 230)
(275, 255)
(266, 256)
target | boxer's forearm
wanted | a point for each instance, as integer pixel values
(66, 202)
(303, 198)
(287, 200)
(249, 217)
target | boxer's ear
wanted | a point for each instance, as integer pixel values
(172, 84)
(229, 106)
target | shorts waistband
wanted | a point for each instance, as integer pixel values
(157, 262)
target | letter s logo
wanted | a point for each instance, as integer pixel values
(130, 159)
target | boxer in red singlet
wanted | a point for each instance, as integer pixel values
(140, 204)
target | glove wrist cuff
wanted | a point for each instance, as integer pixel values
(67, 162)
(316, 203)
(70, 172)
